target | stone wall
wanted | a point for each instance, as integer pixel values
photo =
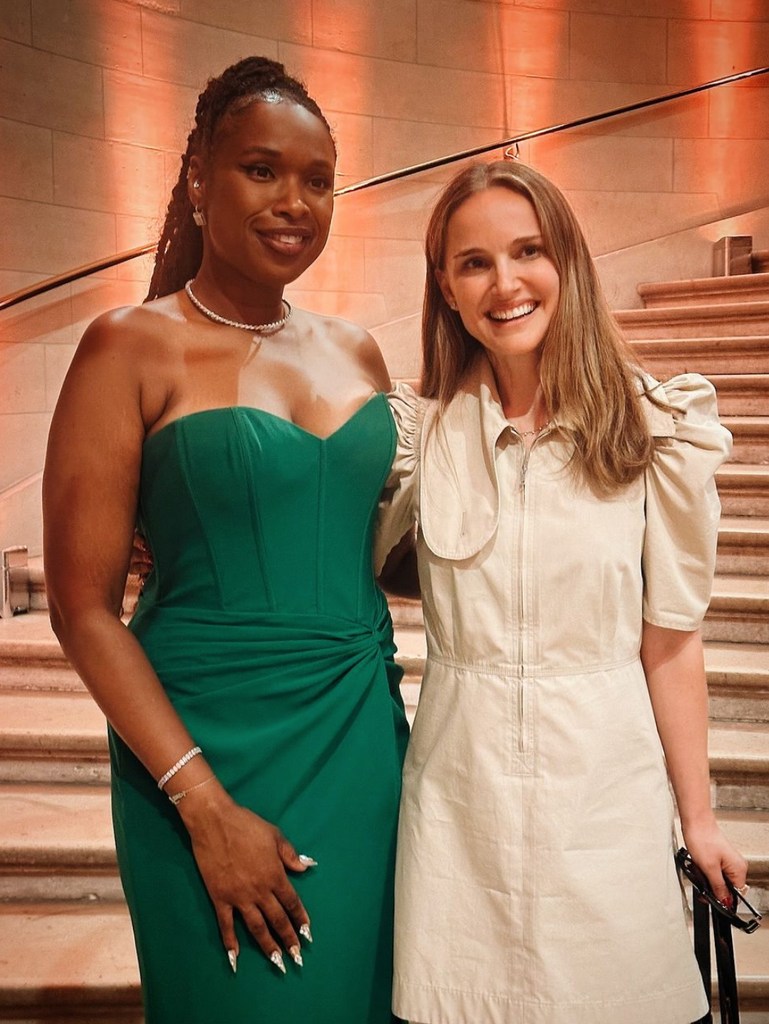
(96, 96)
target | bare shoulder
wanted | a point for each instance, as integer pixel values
(355, 342)
(128, 330)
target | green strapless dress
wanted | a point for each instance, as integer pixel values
(266, 627)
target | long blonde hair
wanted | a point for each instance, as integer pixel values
(589, 378)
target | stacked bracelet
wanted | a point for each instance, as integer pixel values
(179, 764)
(181, 795)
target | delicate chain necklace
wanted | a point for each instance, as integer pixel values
(276, 325)
(533, 433)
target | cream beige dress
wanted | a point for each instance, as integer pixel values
(535, 881)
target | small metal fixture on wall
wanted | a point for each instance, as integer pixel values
(15, 582)
(733, 254)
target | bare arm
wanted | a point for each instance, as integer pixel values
(89, 499)
(675, 671)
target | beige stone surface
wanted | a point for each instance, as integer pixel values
(348, 82)
(397, 268)
(16, 21)
(605, 164)
(23, 438)
(21, 516)
(486, 37)
(353, 136)
(733, 169)
(187, 52)
(22, 373)
(42, 88)
(101, 32)
(96, 175)
(399, 143)
(50, 239)
(377, 29)
(29, 175)
(289, 21)
(340, 267)
(66, 948)
(703, 50)
(57, 360)
(738, 113)
(746, 10)
(531, 107)
(618, 49)
(147, 112)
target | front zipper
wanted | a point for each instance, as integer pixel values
(521, 583)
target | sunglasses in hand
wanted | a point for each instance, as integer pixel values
(741, 914)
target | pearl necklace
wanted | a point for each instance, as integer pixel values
(276, 325)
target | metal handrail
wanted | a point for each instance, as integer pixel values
(507, 144)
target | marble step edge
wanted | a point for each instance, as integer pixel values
(104, 976)
(100, 975)
(45, 841)
(703, 313)
(735, 287)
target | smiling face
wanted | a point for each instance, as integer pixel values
(497, 275)
(267, 193)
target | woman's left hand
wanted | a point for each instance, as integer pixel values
(714, 854)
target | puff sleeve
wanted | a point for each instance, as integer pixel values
(398, 503)
(682, 505)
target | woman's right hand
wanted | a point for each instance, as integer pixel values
(142, 563)
(243, 861)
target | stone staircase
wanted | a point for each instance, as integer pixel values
(720, 327)
(66, 953)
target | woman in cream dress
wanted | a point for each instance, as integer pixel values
(567, 527)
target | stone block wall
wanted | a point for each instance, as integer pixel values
(95, 104)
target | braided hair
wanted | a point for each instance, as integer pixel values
(180, 249)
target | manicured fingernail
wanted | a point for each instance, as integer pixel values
(277, 959)
(309, 862)
(305, 932)
(296, 956)
(232, 956)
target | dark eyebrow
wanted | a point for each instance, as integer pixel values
(474, 250)
(276, 154)
(260, 151)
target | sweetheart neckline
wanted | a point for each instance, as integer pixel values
(256, 411)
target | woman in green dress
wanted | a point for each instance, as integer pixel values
(253, 699)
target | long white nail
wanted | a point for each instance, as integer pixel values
(296, 956)
(277, 959)
(309, 862)
(305, 932)
(232, 956)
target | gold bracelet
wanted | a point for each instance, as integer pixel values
(181, 795)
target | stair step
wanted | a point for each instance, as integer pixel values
(743, 546)
(57, 844)
(751, 438)
(739, 766)
(706, 290)
(749, 832)
(739, 610)
(72, 965)
(78, 966)
(666, 356)
(738, 682)
(742, 394)
(743, 489)
(717, 320)
(52, 738)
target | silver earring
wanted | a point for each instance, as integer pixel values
(196, 184)
(199, 217)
